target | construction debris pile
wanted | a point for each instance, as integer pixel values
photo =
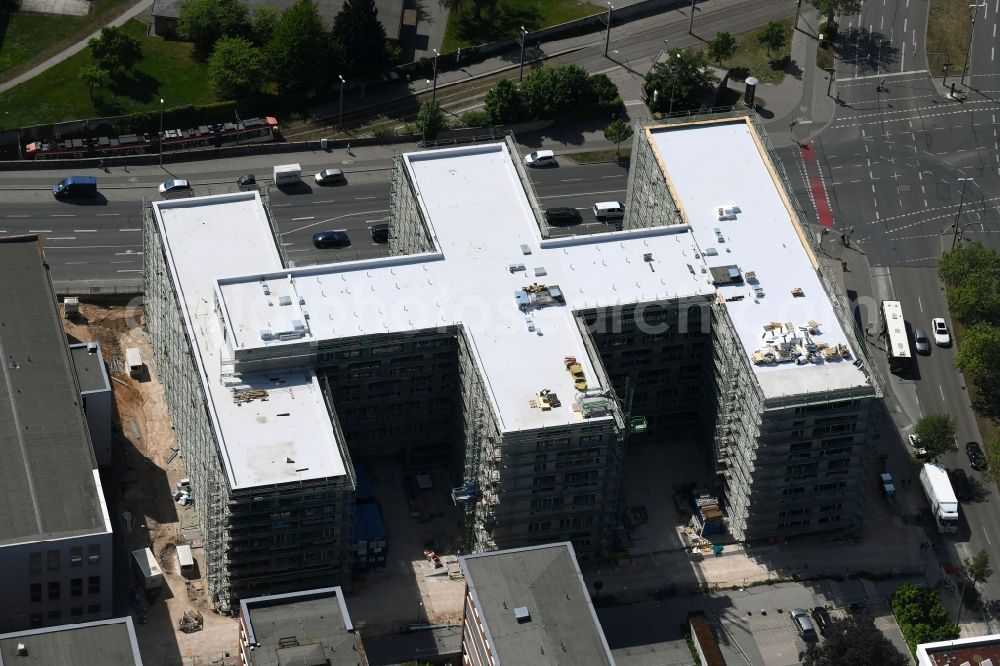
(787, 343)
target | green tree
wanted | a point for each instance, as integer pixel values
(978, 567)
(606, 100)
(832, 8)
(560, 93)
(722, 47)
(430, 120)
(206, 21)
(617, 132)
(773, 36)
(115, 51)
(683, 77)
(503, 103)
(921, 617)
(979, 356)
(853, 641)
(236, 68)
(936, 433)
(362, 38)
(475, 118)
(477, 6)
(957, 264)
(262, 24)
(93, 78)
(300, 49)
(536, 92)
(976, 298)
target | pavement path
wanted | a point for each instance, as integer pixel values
(130, 13)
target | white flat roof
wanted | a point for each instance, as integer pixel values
(722, 164)
(207, 238)
(480, 218)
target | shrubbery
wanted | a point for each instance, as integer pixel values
(547, 93)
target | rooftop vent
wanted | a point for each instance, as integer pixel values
(522, 615)
(284, 300)
(22, 650)
(92, 347)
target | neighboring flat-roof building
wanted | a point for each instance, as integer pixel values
(485, 343)
(529, 606)
(311, 628)
(104, 643)
(55, 533)
(974, 651)
(95, 391)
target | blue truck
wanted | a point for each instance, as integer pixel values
(75, 186)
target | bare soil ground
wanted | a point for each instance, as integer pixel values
(145, 444)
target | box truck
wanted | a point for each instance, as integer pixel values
(287, 174)
(75, 186)
(941, 496)
(146, 569)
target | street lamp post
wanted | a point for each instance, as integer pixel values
(434, 90)
(521, 38)
(673, 83)
(944, 81)
(972, 34)
(798, 8)
(607, 36)
(340, 113)
(691, 21)
(161, 132)
(961, 202)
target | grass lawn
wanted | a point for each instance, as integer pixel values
(26, 37)
(948, 41)
(753, 58)
(167, 70)
(596, 156)
(506, 17)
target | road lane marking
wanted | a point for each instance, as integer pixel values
(130, 230)
(338, 217)
(617, 175)
(325, 201)
(130, 270)
(987, 535)
(85, 231)
(942, 393)
(52, 238)
(280, 205)
(581, 194)
(920, 304)
(299, 219)
(363, 198)
(108, 214)
(39, 231)
(571, 180)
(86, 247)
(75, 263)
(17, 216)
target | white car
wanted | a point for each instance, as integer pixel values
(942, 337)
(915, 445)
(330, 176)
(540, 158)
(174, 185)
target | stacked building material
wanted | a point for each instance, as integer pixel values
(707, 512)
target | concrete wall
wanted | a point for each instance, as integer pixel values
(29, 575)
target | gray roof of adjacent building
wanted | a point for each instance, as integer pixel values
(91, 372)
(49, 488)
(311, 627)
(103, 643)
(544, 587)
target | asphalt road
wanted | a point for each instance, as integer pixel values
(102, 239)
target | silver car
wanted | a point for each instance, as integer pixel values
(923, 344)
(803, 624)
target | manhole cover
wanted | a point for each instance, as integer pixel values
(348, 162)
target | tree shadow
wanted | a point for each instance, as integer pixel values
(871, 51)
(140, 86)
(108, 106)
(501, 23)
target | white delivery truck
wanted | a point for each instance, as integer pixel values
(941, 496)
(146, 569)
(287, 174)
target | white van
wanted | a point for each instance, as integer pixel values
(540, 158)
(287, 174)
(609, 210)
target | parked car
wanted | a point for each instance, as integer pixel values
(540, 158)
(609, 210)
(922, 343)
(915, 445)
(803, 625)
(960, 484)
(380, 233)
(977, 459)
(330, 176)
(821, 618)
(175, 185)
(563, 216)
(331, 239)
(246, 180)
(942, 337)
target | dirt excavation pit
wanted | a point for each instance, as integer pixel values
(148, 466)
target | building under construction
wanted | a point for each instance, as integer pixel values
(522, 360)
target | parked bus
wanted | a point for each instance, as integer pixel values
(897, 342)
